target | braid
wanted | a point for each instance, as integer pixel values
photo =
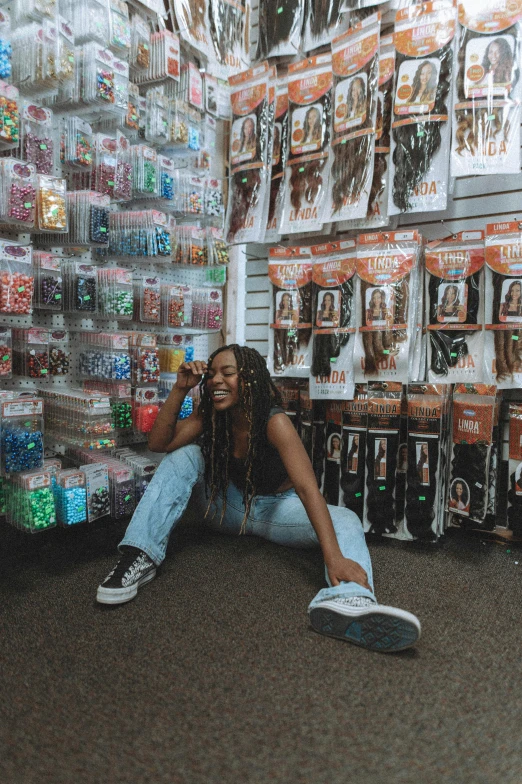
(257, 395)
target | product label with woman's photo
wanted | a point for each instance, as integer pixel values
(503, 317)
(331, 486)
(488, 90)
(455, 308)
(331, 375)
(424, 40)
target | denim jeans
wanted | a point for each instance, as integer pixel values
(280, 518)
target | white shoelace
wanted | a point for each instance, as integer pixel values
(353, 601)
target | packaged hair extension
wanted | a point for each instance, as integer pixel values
(402, 467)
(272, 85)
(280, 24)
(247, 203)
(382, 448)
(308, 165)
(455, 308)
(193, 24)
(279, 156)
(514, 496)
(503, 316)
(229, 25)
(331, 487)
(387, 318)
(306, 417)
(486, 123)
(289, 341)
(323, 20)
(331, 374)
(353, 460)
(355, 66)
(319, 440)
(289, 389)
(473, 417)
(423, 38)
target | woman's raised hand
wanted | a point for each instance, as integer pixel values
(190, 374)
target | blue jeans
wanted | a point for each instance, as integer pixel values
(280, 518)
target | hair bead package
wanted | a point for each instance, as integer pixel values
(389, 319)
(280, 24)
(355, 66)
(308, 163)
(279, 157)
(353, 462)
(486, 125)
(247, 204)
(333, 320)
(503, 316)
(455, 308)
(289, 342)
(420, 128)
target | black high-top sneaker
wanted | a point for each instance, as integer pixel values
(133, 570)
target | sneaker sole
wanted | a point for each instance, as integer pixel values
(372, 629)
(122, 595)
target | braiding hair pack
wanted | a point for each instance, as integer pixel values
(514, 511)
(353, 462)
(280, 24)
(333, 452)
(420, 128)
(279, 155)
(308, 162)
(229, 23)
(323, 20)
(355, 65)
(486, 126)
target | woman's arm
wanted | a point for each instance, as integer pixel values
(283, 436)
(167, 433)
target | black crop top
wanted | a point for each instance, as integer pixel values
(274, 472)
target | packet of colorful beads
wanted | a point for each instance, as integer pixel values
(49, 283)
(98, 76)
(77, 146)
(30, 504)
(123, 175)
(192, 195)
(97, 486)
(17, 193)
(207, 308)
(5, 45)
(145, 409)
(71, 497)
(90, 21)
(16, 278)
(116, 293)
(164, 60)
(81, 287)
(131, 123)
(21, 435)
(105, 356)
(59, 354)
(217, 247)
(140, 44)
(178, 124)
(105, 164)
(157, 117)
(171, 352)
(51, 205)
(54, 466)
(121, 85)
(37, 137)
(145, 171)
(145, 365)
(214, 204)
(167, 176)
(121, 485)
(9, 117)
(31, 352)
(66, 51)
(6, 353)
(147, 295)
(120, 29)
(172, 306)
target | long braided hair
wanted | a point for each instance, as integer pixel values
(257, 395)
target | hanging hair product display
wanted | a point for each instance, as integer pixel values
(331, 487)
(308, 162)
(488, 90)
(503, 316)
(455, 308)
(279, 156)
(353, 460)
(514, 497)
(323, 20)
(280, 24)
(247, 203)
(229, 24)
(387, 273)
(402, 467)
(355, 66)
(289, 389)
(290, 345)
(382, 446)
(333, 320)
(473, 417)
(306, 417)
(423, 38)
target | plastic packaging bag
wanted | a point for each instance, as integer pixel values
(280, 24)
(279, 156)
(323, 20)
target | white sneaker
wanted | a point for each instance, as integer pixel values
(366, 623)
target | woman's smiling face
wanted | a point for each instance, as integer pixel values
(222, 381)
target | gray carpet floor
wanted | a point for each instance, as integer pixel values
(213, 674)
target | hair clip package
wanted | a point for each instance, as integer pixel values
(382, 447)
(331, 486)
(280, 23)
(514, 497)
(388, 317)
(308, 162)
(355, 65)
(423, 39)
(247, 203)
(289, 341)
(331, 374)
(279, 157)
(503, 316)
(323, 19)
(353, 463)
(455, 308)
(473, 418)
(486, 126)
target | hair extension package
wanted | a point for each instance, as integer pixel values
(280, 24)
(289, 389)
(455, 308)
(247, 200)
(355, 66)
(423, 38)
(331, 487)
(382, 447)
(514, 512)
(193, 24)
(353, 460)
(388, 318)
(289, 342)
(428, 419)
(486, 126)
(279, 155)
(312, 430)
(473, 419)
(229, 22)
(308, 165)
(323, 19)
(333, 271)
(503, 317)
